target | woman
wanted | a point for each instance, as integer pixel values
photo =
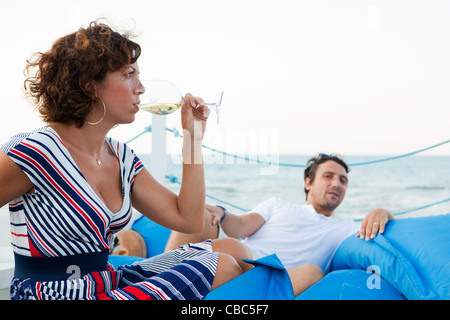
(70, 187)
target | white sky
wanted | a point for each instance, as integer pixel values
(354, 77)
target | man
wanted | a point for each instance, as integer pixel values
(298, 234)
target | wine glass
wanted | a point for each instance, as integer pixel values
(163, 97)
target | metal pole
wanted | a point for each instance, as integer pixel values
(158, 159)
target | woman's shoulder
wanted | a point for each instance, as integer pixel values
(42, 135)
(120, 148)
(124, 153)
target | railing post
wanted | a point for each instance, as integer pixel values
(158, 158)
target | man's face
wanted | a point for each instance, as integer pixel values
(131, 243)
(328, 189)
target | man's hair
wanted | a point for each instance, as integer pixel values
(313, 164)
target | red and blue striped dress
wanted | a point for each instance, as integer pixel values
(64, 217)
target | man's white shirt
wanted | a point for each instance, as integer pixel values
(298, 234)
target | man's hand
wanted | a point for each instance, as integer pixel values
(235, 226)
(373, 223)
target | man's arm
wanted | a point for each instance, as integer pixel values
(374, 222)
(233, 225)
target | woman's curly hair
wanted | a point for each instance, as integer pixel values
(61, 76)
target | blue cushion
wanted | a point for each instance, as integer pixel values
(117, 261)
(268, 280)
(413, 255)
(155, 235)
(351, 284)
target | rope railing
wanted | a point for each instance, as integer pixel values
(147, 129)
(421, 207)
(173, 179)
(400, 156)
(177, 134)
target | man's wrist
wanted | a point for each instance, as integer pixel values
(224, 213)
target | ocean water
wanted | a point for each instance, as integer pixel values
(395, 185)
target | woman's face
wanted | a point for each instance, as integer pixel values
(120, 92)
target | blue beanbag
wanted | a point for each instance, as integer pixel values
(413, 255)
(117, 261)
(155, 237)
(351, 284)
(268, 280)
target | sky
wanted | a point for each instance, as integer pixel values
(362, 77)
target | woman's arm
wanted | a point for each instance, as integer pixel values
(13, 181)
(162, 206)
(183, 213)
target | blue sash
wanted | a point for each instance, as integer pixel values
(59, 268)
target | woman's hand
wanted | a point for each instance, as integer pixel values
(194, 115)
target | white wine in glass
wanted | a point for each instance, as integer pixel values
(163, 97)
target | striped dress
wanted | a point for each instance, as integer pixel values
(64, 217)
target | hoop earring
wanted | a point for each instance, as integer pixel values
(104, 113)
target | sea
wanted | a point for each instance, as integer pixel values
(419, 185)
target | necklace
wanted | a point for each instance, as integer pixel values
(87, 144)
